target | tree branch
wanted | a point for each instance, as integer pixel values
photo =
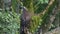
(46, 10)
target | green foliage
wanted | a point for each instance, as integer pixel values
(9, 23)
(14, 5)
(43, 1)
(40, 5)
(36, 21)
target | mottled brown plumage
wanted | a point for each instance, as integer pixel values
(25, 20)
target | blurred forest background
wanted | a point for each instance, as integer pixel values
(40, 16)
